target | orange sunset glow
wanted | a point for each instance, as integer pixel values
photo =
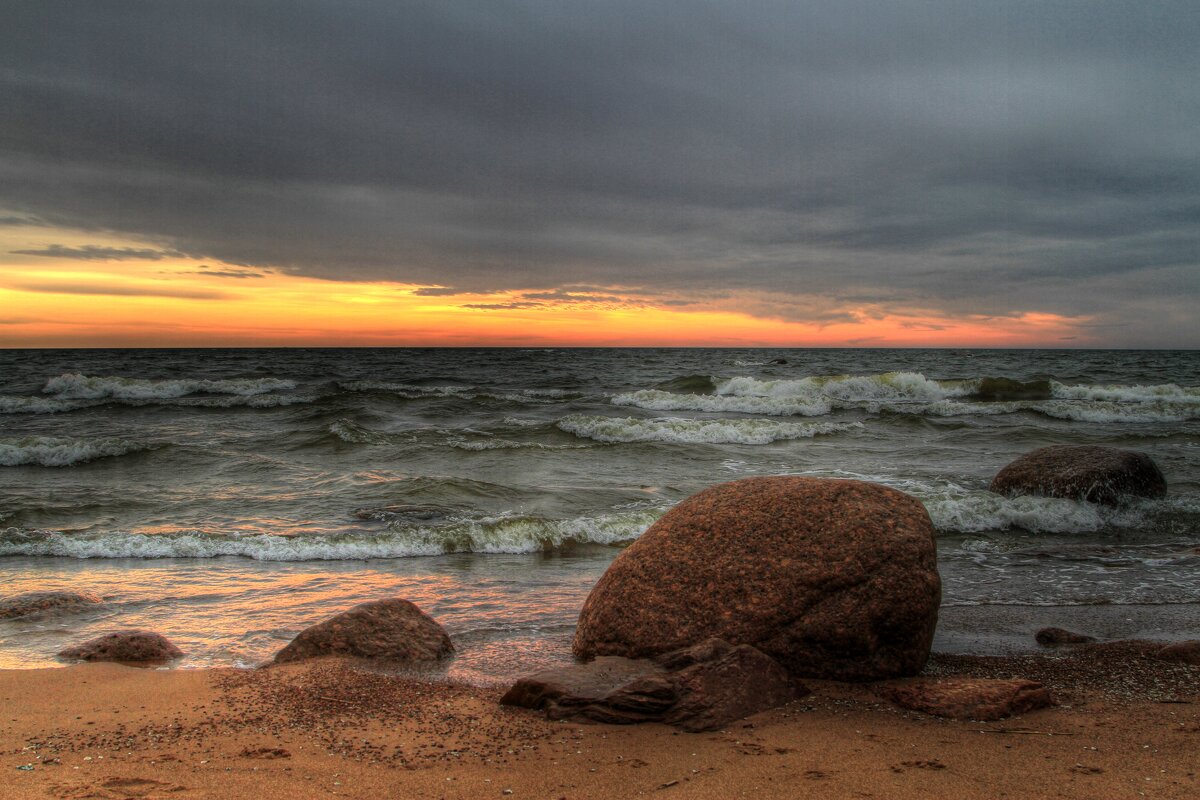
(175, 301)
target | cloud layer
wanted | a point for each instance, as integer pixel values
(964, 157)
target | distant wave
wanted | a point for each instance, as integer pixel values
(50, 451)
(498, 534)
(695, 431)
(913, 393)
(414, 391)
(73, 391)
(74, 386)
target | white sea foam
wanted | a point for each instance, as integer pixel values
(498, 534)
(1135, 393)
(657, 400)
(695, 431)
(913, 393)
(49, 451)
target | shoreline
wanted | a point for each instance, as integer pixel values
(1125, 726)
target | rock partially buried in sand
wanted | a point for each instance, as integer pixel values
(31, 603)
(126, 647)
(983, 699)
(390, 630)
(831, 578)
(700, 688)
(1048, 637)
(1082, 472)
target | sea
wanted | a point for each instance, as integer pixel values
(230, 498)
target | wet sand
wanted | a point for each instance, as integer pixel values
(1126, 726)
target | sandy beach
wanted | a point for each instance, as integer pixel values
(1125, 726)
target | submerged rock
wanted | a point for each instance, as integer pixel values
(126, 647)
(993, 389)
(983, 699)
(1082, 472)
(831, 578)
(390, 630)
(1049, 637)
(1182, 652)
(31, 603)
(700, 688)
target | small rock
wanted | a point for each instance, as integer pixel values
(1103, 475)
(391, 630)
(982, 699)
(126, 647)
(1049, 637)
(700, 688)
(31, 603)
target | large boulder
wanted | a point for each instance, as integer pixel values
(831, 578)
(44, 603)
(387, 630)
(982, 699)
(1082, 472)
(700, 688)
(126, 647)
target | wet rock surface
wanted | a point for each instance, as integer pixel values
(1102, 475)
(30, 604)
(388, 630)
(981, 699)
(125, 647)
(1049, 637)
(700, 688)
(832, 578)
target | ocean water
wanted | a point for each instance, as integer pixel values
(229, 498)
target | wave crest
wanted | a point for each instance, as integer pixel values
(51, 451)
(695, 431)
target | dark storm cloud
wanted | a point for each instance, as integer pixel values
(117, 291)
(962, 156)
(436, 291)
(92, 252)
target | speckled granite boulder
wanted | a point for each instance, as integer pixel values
(700, 688)
(126, 647)
(981, 699)
(831, 578)
(31, 603)
(1082, 472)
(389, 630)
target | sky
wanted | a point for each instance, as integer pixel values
(904, 173)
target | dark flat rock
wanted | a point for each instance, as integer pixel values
(125, 647)
(832, 578)
(1104, 475)
(983, 699)
(388, 630)
(699, 689)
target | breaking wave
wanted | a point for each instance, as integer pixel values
(50, 451)
(913, 393)
(497, 534)
(695, 431)
(73, 391)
